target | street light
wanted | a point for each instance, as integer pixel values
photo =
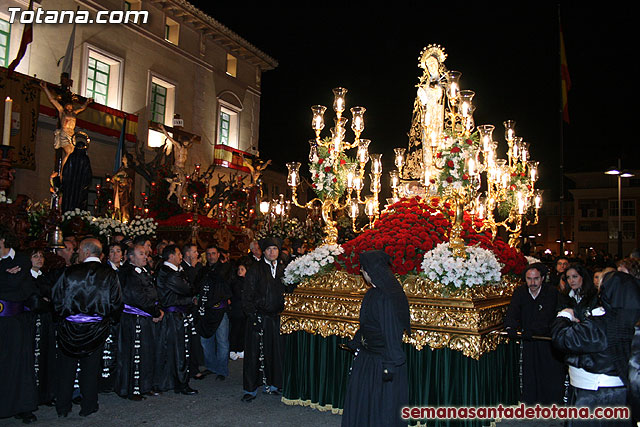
(621, 174)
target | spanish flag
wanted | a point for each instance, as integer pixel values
(566, 80)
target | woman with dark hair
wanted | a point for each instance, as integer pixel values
(236, 315)
(115, 255)
(580, 295)
(378, 386)
(599, 347)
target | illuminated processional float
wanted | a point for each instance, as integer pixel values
(451, 196)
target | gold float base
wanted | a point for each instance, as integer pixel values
(461, 320)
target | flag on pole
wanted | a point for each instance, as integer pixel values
(566, 80)
(27, 37)
(119, 151)
(68, 55)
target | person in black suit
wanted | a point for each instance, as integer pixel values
(177, 298)
(87, 297)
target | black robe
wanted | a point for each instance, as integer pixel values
(90, 288)
(18, 392)
(543, 370)
(378, 385)
(176, 333)
(263, 301)
(191, 272)
(370, 400)
(44, 340)
(76, 179)
(213, 293)
(139, 291)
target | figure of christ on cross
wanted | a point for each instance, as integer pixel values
(180, 147)
(67, 116)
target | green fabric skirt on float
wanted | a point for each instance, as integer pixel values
(316, 372)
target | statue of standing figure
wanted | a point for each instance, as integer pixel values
(428, 110)
(123, 185)
(67, 116)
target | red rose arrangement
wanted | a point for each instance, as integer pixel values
(410, 228)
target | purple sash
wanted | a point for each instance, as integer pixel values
(10, 308)
(135, 310)
(177, 308)
(84, 318)
(221, 304)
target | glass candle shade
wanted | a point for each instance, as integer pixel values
(293, 176)
(317, 122)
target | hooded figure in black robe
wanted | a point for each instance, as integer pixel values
(88, 300)
(176, 331)
(262, 302)
(136, 335)
(599, 347)
(543, 370)
(76, 179)
(378, 385)
(18, 392)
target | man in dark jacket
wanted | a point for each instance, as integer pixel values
(532, 309)
(599, 347)
(88, 297)
(177, 297)
(213, 319)
(263, 301)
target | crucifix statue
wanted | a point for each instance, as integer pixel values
(67, 115)
(179, 144)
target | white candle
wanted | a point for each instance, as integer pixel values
(8, 106)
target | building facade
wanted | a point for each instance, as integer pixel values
(180, 61)
(596, 218)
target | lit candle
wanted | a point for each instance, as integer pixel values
(8, 108)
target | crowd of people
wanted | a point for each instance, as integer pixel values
(135, 321)
(139, 321)
(577, 326)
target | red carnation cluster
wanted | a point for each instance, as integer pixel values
(455, 149)
(410, 228)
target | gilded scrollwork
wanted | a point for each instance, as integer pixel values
(463, 321)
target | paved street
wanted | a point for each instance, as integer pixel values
(217, 404)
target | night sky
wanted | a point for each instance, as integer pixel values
(507, 54)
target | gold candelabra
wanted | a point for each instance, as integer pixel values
(448, 157)
(336, 175)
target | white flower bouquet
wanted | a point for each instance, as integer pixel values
(480, 267)
(317, 261)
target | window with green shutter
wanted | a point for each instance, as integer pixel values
(5, 38)
(98, 80)
(158, 102)
(225, 124)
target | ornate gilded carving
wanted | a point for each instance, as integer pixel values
(461, 320)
